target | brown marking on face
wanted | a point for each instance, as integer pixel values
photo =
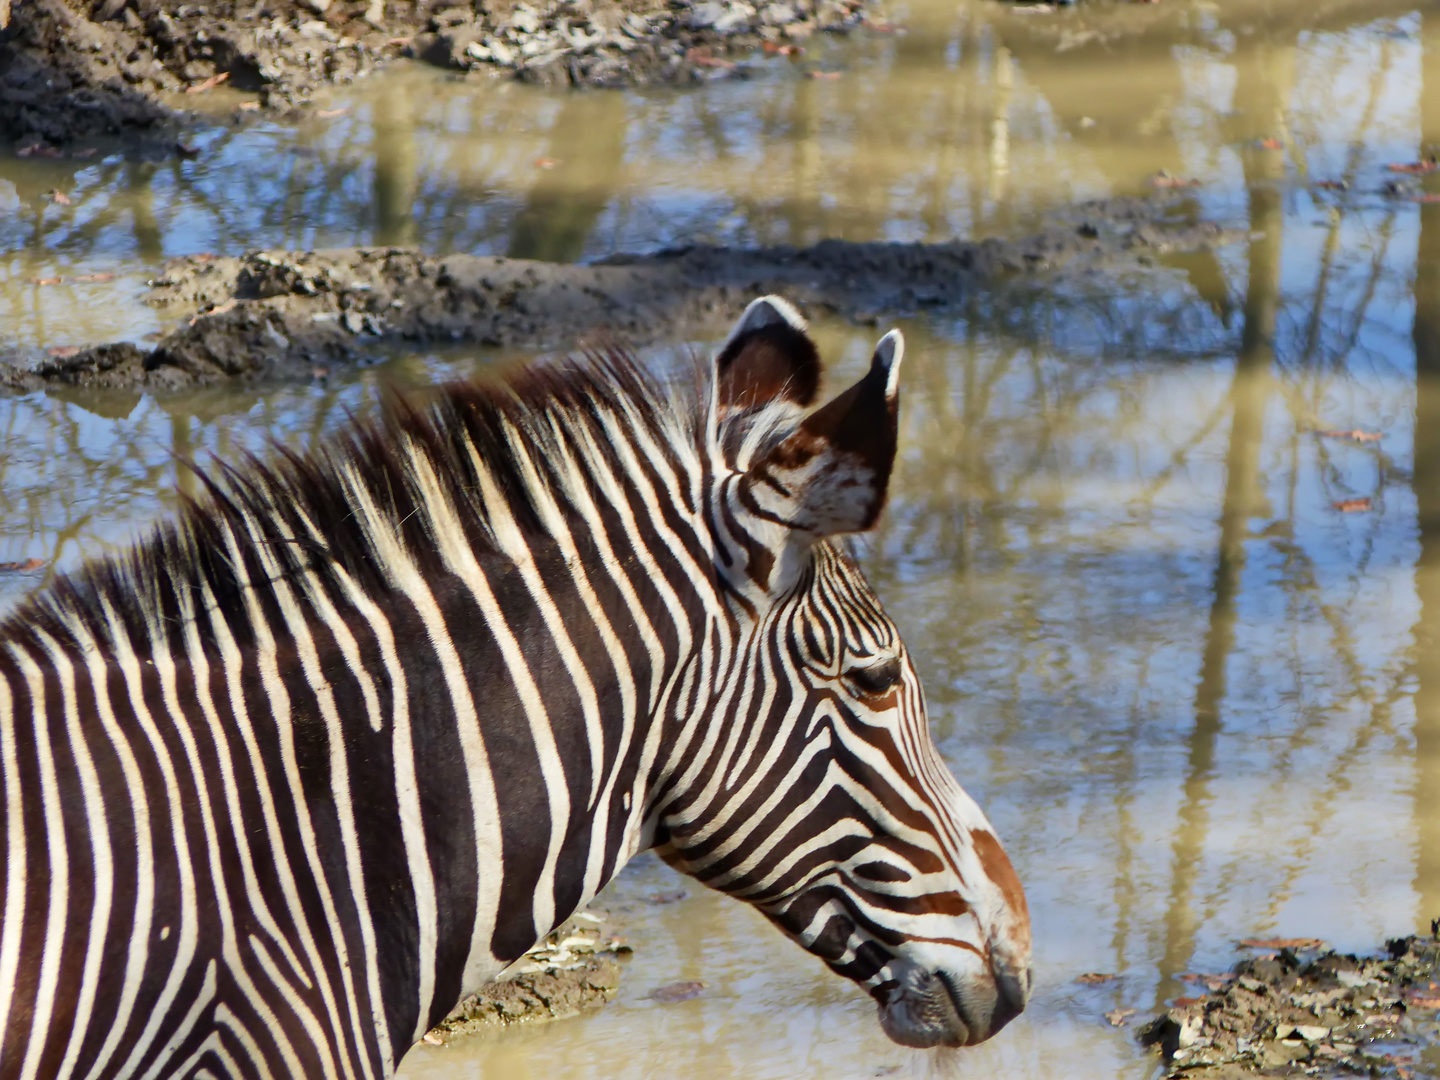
(888, 700)
(996, 865)
(797, 451)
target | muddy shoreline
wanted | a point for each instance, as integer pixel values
(74, 72)
(1296, 1008)
(269, 315)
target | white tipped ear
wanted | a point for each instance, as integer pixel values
(888, 354)
(766, 311)
(768, 359)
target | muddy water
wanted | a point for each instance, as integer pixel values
(1198, 700)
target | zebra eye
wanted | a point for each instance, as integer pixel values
(877, 678)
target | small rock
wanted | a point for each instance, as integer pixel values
(705, 15)
(677, 991)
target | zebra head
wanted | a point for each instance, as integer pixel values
(817, 794)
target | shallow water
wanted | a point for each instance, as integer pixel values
(1198, 701)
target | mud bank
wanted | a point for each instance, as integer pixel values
(73, 71)
(572, 969)
(1306, 1011)
(287, 315)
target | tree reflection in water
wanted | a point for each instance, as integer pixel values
(1199, 702)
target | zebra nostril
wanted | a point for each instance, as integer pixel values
(1012, 991)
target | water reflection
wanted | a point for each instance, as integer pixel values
(977, 120)
(1263, 88)
(1426, 455)
(1198, 701)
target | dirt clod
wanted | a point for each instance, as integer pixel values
(282, 314)
(1306, 1012)
(571, 969)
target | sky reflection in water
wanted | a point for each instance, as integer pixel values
(1197, 700)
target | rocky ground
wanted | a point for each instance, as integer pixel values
(289, 315)
(572, 969)
(73, 71)
(1304, 1010)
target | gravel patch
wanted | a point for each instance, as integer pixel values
(73, 71)
(1306, 1011)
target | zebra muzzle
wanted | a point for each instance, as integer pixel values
(918, 1008)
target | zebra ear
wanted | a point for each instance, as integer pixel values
(832, 473)
(768, 357)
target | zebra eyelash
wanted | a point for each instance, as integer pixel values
(876, 679)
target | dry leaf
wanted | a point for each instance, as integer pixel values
(24, 564)
(1428, 197)
(678, 991)
(1354, 435)
(879, 27)
(208, 84)
(546, 162)
(824, 74)
(400, 41)
(1091, 978)
(433, 1038)
(59, 197)
(205, 256)
(1181, 1002)
(46, 281)
(326, 114)
(1270, 144)
(60, 352)
(702, 58)
(1332, 185)
(668, 897)
(1417, 168)
(221, 309)
(1351, 506)
(94, 277)
(1419, 1002)
(1285, 942)
(1117, 1017)
(783, 50)
(248, 106)
(38, 150)
(1164, 179)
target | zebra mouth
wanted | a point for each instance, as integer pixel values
(922, 1009)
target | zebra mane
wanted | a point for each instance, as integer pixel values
(487, 464)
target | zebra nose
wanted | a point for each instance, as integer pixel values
(1012, 991)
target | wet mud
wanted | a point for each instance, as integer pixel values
(79, 71)
(294, 315)
(574, 968)
(1306, 1011)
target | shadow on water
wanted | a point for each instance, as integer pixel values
(1426, 336)
(579, 174)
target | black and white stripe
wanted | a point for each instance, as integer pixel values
(341, 742)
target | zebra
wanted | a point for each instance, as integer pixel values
(348, 734)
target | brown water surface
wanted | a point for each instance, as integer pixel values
(1199, 700)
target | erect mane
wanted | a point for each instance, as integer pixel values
(532, 440)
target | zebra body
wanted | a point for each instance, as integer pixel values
(286, 781)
